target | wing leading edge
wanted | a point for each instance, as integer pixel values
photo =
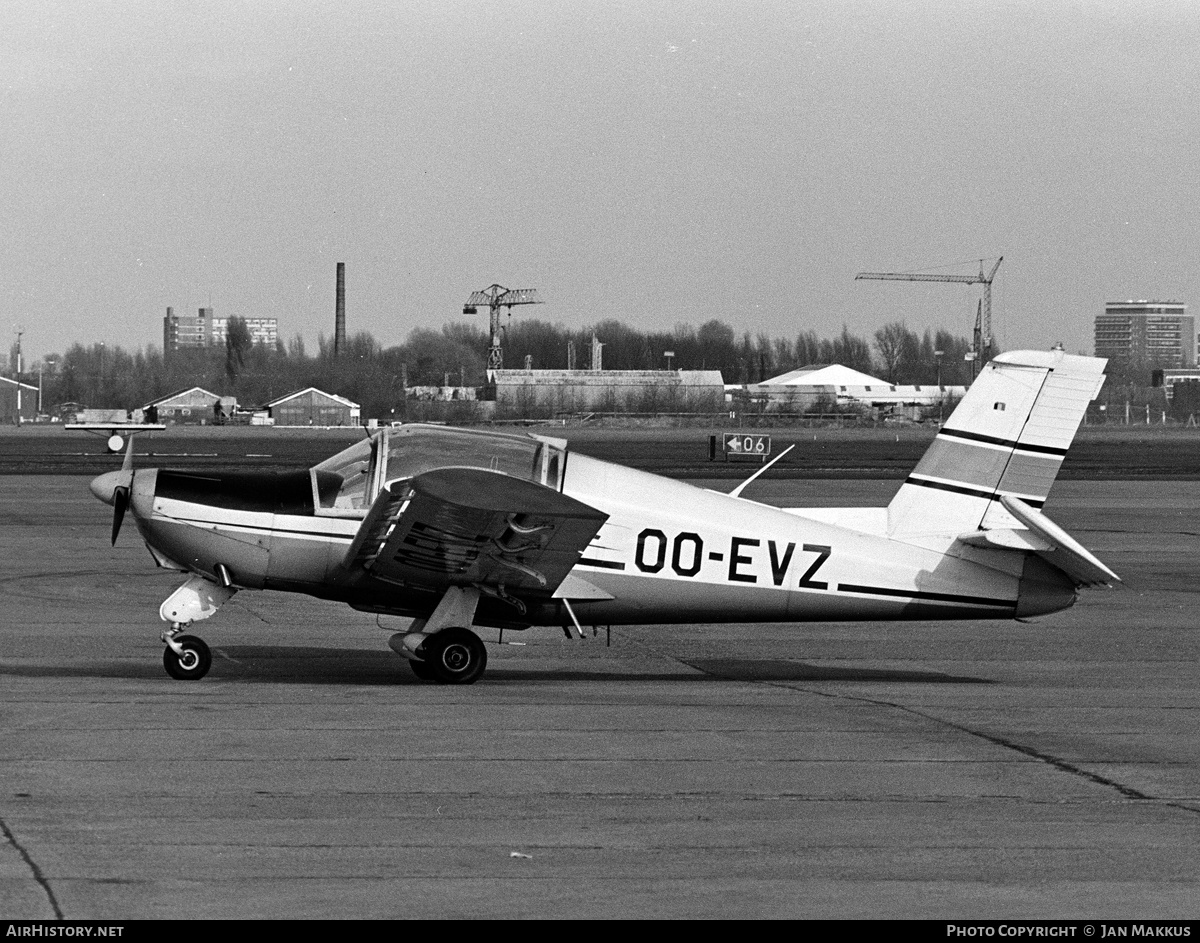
(473, 527)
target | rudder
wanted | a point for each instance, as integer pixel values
(1008, 436)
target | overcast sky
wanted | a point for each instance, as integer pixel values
(653, 162)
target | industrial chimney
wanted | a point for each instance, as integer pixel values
(339, 323)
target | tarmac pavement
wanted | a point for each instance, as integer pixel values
(943, 770)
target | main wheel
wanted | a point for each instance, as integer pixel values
(455, 656)
(422, 670)
(193, 664)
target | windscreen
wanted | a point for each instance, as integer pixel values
(416, 449)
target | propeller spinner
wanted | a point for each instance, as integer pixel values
(114, 488)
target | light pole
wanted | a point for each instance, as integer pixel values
(19, 332)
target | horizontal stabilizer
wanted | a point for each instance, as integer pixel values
(1007, 539)
(1047, 540)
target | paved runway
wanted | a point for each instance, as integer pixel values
(985, 769)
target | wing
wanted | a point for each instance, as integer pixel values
(473, 527)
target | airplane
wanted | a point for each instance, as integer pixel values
(462, 529)
(115, 432)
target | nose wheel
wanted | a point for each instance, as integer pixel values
(186, 657)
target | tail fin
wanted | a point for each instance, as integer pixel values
(1008, 436)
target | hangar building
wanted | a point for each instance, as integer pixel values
(834, 384)
(313, 407)
(196, 405)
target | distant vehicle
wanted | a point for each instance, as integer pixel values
(462, 529)
(101, 416)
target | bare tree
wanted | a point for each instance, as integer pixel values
(890, 342)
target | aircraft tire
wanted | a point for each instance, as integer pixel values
(194, 664)
(422, 670)
(455, 656)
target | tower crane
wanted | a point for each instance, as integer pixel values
(496, 297)
(983, 343)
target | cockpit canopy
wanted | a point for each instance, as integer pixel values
(346, 483)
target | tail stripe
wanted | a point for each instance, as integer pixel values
(1006, 443)
(970, 492)
(989, 467)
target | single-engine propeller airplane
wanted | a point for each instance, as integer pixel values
(461, 528)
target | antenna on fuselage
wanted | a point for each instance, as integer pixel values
(736, 492)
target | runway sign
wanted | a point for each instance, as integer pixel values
(740, 445)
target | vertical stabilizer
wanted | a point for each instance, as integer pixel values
(1008, 436)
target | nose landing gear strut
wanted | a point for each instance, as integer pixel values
(187, 658)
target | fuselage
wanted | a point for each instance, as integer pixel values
(668, 552)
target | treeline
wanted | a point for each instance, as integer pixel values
(101, 376)
(895, 353)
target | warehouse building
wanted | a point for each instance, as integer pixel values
(313, 407)
(1170, 379)
(642, 391)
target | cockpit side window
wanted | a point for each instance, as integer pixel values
(346, 484)
(548, 464)
(554, 467)
(328, 485)
(343, 484)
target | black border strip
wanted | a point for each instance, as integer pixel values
(1008, 443)
(274, 530)
(602, 564)
(963, 489)
(918, 594)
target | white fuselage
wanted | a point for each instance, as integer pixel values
(668, 553)
(671, 552)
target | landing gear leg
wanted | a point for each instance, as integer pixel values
(439, 648)
(186, 657)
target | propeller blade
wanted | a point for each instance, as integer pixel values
(120, 503)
